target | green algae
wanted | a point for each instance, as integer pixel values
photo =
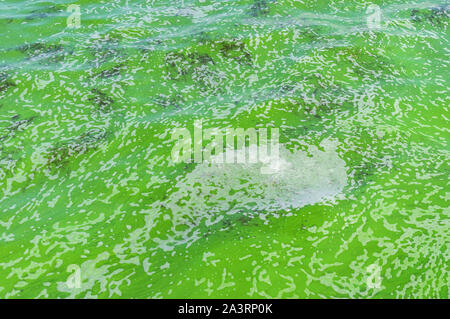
(86, 177)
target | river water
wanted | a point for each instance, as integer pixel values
(92, 204)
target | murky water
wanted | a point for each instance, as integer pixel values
(357, 206)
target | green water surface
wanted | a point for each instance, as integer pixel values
(86, 176)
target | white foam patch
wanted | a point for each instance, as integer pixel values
(210, 192)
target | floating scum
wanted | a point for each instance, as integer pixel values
(212, 192)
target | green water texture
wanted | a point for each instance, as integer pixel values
(88, 187)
